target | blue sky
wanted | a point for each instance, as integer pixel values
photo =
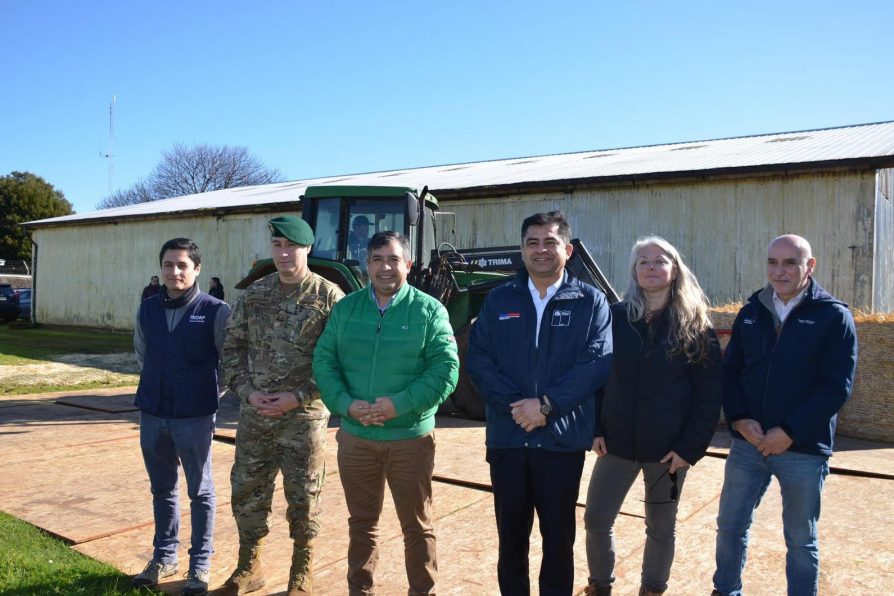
(319, 88)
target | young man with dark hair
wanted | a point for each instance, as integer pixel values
(539, 352)
(178, 336)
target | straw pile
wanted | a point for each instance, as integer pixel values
(869, 414)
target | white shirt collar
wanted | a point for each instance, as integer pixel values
(550, 291)
(540, 303)
(783, 310)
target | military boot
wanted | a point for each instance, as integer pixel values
(248, 575)
(301, 575)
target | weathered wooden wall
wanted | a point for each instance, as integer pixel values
(883, 285)
(92, 275)
(721, 226)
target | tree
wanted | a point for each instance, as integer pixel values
(138, 193)
(192, 170)
(25, 197)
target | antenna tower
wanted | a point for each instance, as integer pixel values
(111, 152)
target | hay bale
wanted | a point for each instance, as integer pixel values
(869, 414)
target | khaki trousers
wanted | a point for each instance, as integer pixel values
(364, 467)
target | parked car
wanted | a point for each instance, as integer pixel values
(24, 303)
(9, 303)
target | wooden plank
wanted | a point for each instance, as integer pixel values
(100, 403)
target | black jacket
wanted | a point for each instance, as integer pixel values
(796, 380)
(654, 403)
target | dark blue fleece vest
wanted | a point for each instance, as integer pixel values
(179, 378)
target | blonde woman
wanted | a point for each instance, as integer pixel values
(658, 412)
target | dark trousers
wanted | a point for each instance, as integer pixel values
(548, 482)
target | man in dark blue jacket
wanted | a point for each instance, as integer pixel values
(788, 369)
(177, 337)
(538, 353)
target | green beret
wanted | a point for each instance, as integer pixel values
(292, 228)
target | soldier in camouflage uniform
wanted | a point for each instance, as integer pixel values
(282, 423)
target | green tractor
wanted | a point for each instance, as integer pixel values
(344, 218)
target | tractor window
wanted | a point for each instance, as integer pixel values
(326, 230)
(366, 217)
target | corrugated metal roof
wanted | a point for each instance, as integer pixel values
(801, 148)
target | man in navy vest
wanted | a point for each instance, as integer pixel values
(177, 338)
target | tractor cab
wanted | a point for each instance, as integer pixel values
(344, 218)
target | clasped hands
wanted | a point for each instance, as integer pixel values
(772, 442)
(273, 405)
(526, 413)
(372, 414)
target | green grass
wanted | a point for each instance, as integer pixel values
(14, 389)
(29, 345)
(31, 562)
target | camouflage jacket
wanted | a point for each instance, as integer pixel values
(271, 338)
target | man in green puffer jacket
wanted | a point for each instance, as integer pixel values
(384, 363)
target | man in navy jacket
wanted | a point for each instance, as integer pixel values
(788, 369)
(178, 335)
(538, 353)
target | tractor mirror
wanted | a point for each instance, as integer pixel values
(412, 208)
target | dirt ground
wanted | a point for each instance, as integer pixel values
(71, 464)
(75, 369)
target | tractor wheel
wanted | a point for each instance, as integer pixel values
(466, 398)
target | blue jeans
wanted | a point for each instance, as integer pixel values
(611, 481)
(167, 443)
(745, 481)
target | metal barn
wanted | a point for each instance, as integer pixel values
(719, 201)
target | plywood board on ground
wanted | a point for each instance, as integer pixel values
(16, 401)
(460, 454)
(856, 544)
(99, 490)
(100, 403)
(861, 455)
(80, 473)
(131, 550)
(45, 425)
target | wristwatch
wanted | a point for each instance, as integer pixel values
(545, 408)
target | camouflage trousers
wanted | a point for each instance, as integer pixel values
(292, 445)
